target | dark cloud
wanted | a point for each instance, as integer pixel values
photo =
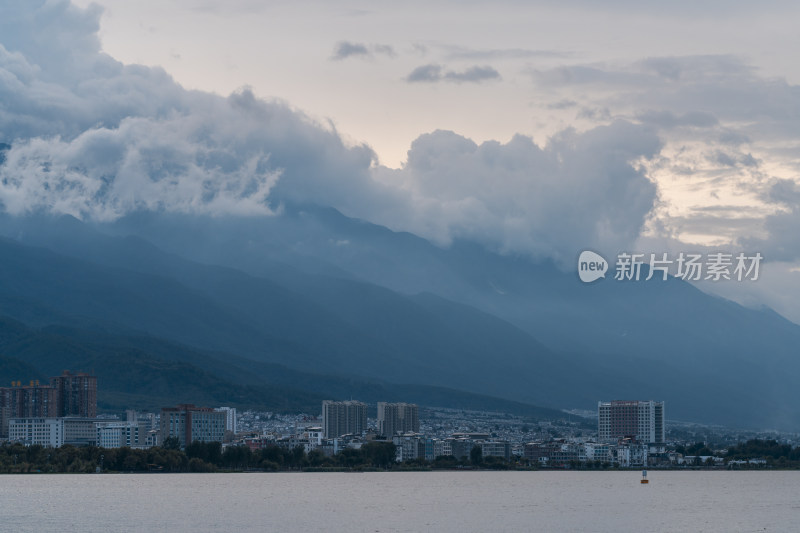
(346, 49)
(782, 240)
(435, 73)
(425, 73)
(784, 191)
(594, 113)
(732, 159)
(473, 75)
(721, 223)
(562, 104)
(384, 49)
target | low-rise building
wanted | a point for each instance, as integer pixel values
(496, 448)
(47, 432)
(53, 432)
(119, 434)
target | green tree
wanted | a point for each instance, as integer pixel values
(350, 457)
(171, 443)
(317, 458)
(379, 454)
(476, 455)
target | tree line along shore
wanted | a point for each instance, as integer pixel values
(16, 458)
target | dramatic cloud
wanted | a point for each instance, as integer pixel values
(729, 133)
(99, 139)
(345, 49)
(578, 191)
(435, 73)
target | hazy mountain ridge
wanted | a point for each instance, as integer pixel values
(149, 373)
(319, 292)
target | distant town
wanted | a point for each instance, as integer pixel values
(63, 415)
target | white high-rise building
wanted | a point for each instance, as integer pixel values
(642, 420)
(230, 421)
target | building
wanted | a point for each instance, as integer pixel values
(496, 448)
(80, 431)
(540, 452)
(640, 420)
(48, 432)
(73, 395)
(190, 423)
(394, 418)
(441, 448)
(230, 418)
(410, 446)
(597, 451)
(629, 453)
(29, 401)
(53, 432)
(343, 418)
(76, 394)
(460, 448)
(132, 434)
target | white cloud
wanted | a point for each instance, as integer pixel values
(98, 139)
(578, 191)
(103, 139)
(114, 139)
(143, 164)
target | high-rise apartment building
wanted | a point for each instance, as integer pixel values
(396, 418)
(642, 420)
(343, 418)
(18, 401)
(190, 423)
(76, 394)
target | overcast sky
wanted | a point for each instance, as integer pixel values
(534, 127)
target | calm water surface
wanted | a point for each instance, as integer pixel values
(414, 501)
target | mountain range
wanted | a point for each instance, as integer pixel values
(284, 311)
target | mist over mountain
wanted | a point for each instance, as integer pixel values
(319, 292)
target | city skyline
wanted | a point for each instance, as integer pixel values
(332, 245)
(151, 224)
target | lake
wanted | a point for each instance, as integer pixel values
(403, 501)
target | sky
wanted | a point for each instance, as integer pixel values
(540, 128)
